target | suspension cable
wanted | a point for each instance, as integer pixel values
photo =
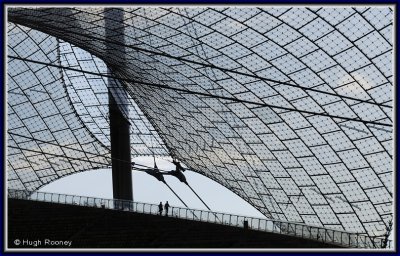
(201, 93)
(198, 196)
(61, 156)
(176, 194)
(180, 199)
(90, 161)
(219, 68)
(79, 150)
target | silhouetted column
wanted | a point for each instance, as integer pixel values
(119, 125)
(120, 153)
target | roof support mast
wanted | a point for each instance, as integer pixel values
(118, 111)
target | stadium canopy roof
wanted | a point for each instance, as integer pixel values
(290, 108)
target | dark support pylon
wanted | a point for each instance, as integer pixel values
(119, 125)
(120, 153)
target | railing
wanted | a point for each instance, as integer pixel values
(325, 235)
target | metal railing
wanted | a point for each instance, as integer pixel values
(325, 235)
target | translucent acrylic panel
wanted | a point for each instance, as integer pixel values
(250, 54)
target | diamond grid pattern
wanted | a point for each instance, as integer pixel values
(290, 165)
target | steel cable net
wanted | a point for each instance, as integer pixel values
(46, 139)
(301, 128)
(58, 120)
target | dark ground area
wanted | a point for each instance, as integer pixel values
(33, 222)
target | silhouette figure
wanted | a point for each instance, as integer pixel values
(166, 208)
(160, 208)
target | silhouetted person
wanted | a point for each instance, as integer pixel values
(160, 208)
(166, 208)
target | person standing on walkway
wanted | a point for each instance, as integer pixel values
(166, 208)
(160, 208)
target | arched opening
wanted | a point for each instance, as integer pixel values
(147, 189)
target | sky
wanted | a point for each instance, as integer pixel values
(98, 183)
